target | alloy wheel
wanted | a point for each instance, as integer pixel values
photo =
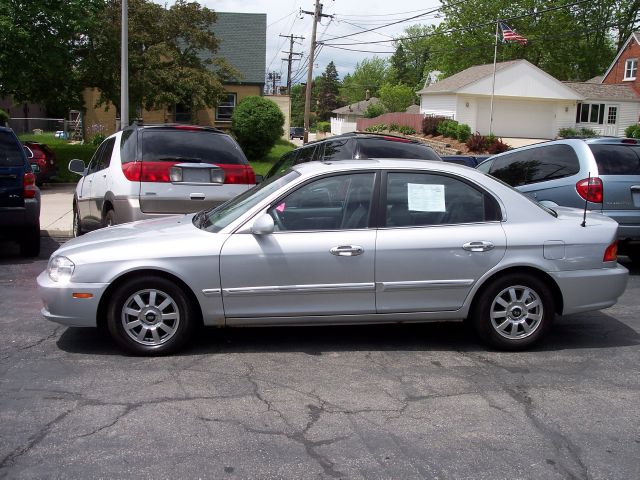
(150, 317)
(516, 312)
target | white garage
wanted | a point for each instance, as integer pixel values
(517, 118)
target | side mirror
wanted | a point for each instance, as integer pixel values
(35, 168)
(259, 179)
(263, 225)
(76, 166)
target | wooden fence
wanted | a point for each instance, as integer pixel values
(413, 120)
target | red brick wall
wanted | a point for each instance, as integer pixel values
(616, 75)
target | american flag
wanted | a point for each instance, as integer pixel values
(509, 35)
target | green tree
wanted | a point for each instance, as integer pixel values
(39, 47)
(374, 110)
(257, 125)
(396, 98)
(171, 55)
(328, 92)
(370, 74)
(297, 105)
(413, 50)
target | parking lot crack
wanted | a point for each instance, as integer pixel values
(127, 410)
(53, 334)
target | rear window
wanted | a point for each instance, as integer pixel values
(381, 148)
(617, 159)
(199, 146)
(11, 153)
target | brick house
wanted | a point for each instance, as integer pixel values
(624, 68)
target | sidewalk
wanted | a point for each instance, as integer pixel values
(56, 209)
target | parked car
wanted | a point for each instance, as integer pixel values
(42, 155)
(342, 242)
(296, 132)
(19, 196)
(355, 145)
(149, 171)
(467, 160)
(600, 174)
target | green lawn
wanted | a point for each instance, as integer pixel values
(66, 151)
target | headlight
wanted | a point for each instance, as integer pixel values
(60, 269)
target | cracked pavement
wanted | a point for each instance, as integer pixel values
(370, 402)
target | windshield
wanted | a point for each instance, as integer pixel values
(221, 216)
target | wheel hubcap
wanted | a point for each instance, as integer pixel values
(516, 312)
(150, 317)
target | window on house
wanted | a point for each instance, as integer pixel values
(590, 113)
(182, 113)
(631, 69)
(225, 107)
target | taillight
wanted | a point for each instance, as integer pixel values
(161, 172)
(398, 139)
(590, 189)
(611, 253)
(238, 174)
(29, 184)
(131, 171)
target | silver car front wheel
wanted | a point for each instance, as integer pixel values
(150, 316)
(514, 311)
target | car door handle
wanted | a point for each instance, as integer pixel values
(478, 246)
(347, 250)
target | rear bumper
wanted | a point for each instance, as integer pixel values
(628, 223)
(586, 290)
(59, 305)
(17, 218)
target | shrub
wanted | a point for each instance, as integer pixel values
(587, 133)
(476, 143)
(463, 132)
(448, 128)
(323, 127)
(632, 131)
(497, 146)
(567, 133)
(394, 127)
(374, 110)
(376, 128)
(4, 117)
(257, 125)
(406, 130)
(430, 125)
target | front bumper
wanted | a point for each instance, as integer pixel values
(586, 290)
(61, 307)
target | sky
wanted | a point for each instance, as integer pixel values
(349, 16)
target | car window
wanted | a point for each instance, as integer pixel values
(422, 199)
(338, 150)
(128, 146)
(174, 144)
(11, 153)
(286, 161)
(485, 166)
(305, 154)
(339, 202)
(95, 160)
(617, 159)
(104, 159)
(536, 165)
(382, 148)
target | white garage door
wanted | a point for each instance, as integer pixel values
(517, 118)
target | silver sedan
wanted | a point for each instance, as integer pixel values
(342, 243)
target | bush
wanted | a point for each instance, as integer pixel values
(323, 127)
(376, 128)
(463, 132)
(567, 133)
(4, 117)
(448, 128)
(476, 143)
(587, 133)
(394, 127)
(496, 146)
(632, 131)
(374, 110)
(406, 130)
(430, 125)
(257, 125)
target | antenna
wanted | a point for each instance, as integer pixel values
(586, 202)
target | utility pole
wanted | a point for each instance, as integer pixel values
(290, 59)
(273, 78)
(124, 66)
(317, 15)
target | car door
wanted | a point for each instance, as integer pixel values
(440, 235)
(89, 222)
(100, 179)
(318, 263)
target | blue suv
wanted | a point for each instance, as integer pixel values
(19, 196)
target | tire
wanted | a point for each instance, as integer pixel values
(77, 226)
(109, 218)
(30, 242)
(513, 312)
(150, 316)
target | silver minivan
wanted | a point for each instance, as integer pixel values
(149, 171)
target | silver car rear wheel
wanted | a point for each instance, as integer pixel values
(150, 317)
(516, 312)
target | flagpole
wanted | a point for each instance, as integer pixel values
(493, 85)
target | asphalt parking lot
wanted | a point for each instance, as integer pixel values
(393, 401)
